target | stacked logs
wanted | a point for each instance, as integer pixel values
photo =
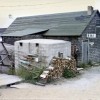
(32, 61)
(56, 69)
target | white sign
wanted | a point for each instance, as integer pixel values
(91, 35)
(91, 43)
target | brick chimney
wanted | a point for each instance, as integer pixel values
(90, 10)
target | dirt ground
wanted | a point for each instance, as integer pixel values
(83, 87)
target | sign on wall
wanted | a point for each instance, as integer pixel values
(91, 35)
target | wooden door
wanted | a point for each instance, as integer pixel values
(85, 51)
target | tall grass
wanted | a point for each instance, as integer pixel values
(29, 75)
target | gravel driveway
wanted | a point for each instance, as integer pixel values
(84, 87)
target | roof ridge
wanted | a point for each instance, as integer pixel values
(52, 14)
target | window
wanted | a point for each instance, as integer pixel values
(37, 44)
(21, 44)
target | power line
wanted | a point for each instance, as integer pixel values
(32, 5)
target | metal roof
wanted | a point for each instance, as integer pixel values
(25, 32)
(62, 24)
(67, 30)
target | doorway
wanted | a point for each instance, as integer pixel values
(85, 51)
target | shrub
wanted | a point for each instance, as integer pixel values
(11, 71)
(90, 63)
(69, 73)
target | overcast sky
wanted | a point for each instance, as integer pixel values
(36, 7)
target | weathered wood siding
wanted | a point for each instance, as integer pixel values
(12, 39)
(94, 43)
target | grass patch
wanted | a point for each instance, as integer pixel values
(86, 65)
(90, 63)
(83, 65)
(11, 71)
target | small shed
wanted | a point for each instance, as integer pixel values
(39, 48)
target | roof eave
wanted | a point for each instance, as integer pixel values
(63, 35)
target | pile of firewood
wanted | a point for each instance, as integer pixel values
(56, 69)
(32, 61)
